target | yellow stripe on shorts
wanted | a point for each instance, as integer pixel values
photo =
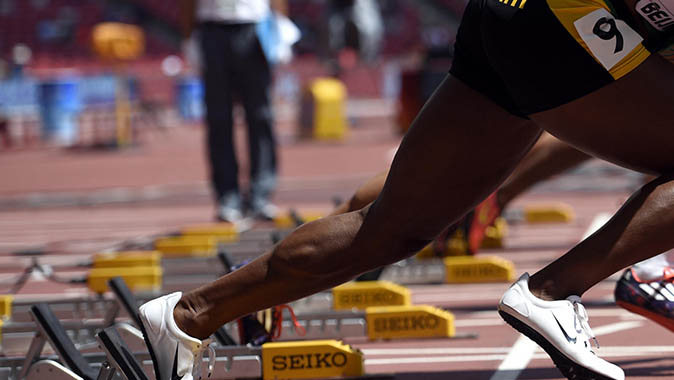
(611, 42)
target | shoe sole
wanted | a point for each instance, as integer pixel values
(570, 369)
(149, 348)
(657, 318)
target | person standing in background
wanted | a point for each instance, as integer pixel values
(234, 67)
(354, 25)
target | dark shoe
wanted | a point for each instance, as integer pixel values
(654, 300)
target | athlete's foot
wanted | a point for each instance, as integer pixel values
(651, 299)
(561, 328)
(175, 354)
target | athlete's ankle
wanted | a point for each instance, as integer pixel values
(547, 289)
(186, 315)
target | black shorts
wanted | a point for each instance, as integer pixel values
(530, 56)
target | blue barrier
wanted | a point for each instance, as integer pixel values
(23, 95)
(60, 104)
(18, 96)
(102, 89)
(189, 98)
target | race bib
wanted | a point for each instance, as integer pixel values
(609, 39)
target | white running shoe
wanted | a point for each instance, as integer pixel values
(175, 355)
(561, 328)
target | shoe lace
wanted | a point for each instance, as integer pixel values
(582, 318)
(279, 325)
(198, 358)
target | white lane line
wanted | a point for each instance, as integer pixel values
(490, 351)
(605, 352)
(615, 327)
(436, 359)
(449, 297)
(434, 351)
(616, 350)
(478, 322)
(518, 358)
(594, 312)
(597, 222)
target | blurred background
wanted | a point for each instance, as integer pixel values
(102, 115)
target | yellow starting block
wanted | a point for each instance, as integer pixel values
(549, 213)
(323, 110)
(316, 359)
(494, 235)
(193, 246)
(285, 220)
(6, 306)
(137, 278)
(361, 295)
(223, 232)
(117, 41)
(456, 246)
(422, 321)
(127, 259)
(475, 269)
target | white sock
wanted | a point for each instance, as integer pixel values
(652, 269)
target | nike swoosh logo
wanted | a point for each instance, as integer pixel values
(174, 371)
(568, 338)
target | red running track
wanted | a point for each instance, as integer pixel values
(639, 346)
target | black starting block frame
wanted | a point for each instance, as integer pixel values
(120, 355)
(231, 362)
(51, 330)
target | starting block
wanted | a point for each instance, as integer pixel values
(127, 259)
(293, 219)
(361, 295)
(549, 213)
(5, 306)
(472, 269)
(50, 329)
(323, 110)
(310, 360)
(138, 278)
(120, 354)
(494, 234)
(223, 232)
(457, 245)
(421, 321)
(180, 246)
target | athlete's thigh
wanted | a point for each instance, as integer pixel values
(458, 150)
(629, 122)
(580, 70)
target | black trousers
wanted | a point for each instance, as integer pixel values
(234, 67)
